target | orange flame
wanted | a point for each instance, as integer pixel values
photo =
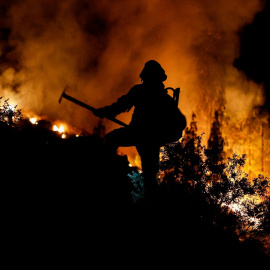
(102, 51)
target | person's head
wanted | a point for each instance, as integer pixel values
(153, 72)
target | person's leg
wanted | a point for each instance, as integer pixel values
(148, 152)
(118, 137)
(150, 165)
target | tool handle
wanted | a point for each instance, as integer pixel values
(90, 108)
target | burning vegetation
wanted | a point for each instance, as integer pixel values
(217, 183)
(221, 181)
(196, 41)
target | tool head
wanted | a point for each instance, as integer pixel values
(65, 89)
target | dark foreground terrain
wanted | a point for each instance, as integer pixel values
(65, 203)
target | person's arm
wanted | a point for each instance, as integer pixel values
(123, 104)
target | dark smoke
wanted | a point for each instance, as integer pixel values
(254, 56)
(99, 48)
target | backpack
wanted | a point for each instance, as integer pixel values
(173, 122)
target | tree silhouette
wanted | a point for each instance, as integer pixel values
(215, 190)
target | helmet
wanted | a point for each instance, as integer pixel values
(153, 71)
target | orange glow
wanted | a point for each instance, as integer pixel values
(59, 129)
(102, 51)
(33, 120)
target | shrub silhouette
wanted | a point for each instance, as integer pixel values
(217, 192)
(73, 193)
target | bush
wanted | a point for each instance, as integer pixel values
(216, 191)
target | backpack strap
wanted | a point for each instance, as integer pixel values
(176, 93)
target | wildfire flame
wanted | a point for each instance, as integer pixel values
(59, 129)
(62, 129)
(33, 120)
(196, 43)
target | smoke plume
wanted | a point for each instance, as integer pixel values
(99, 48)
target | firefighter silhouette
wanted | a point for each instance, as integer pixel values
(156, 120)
